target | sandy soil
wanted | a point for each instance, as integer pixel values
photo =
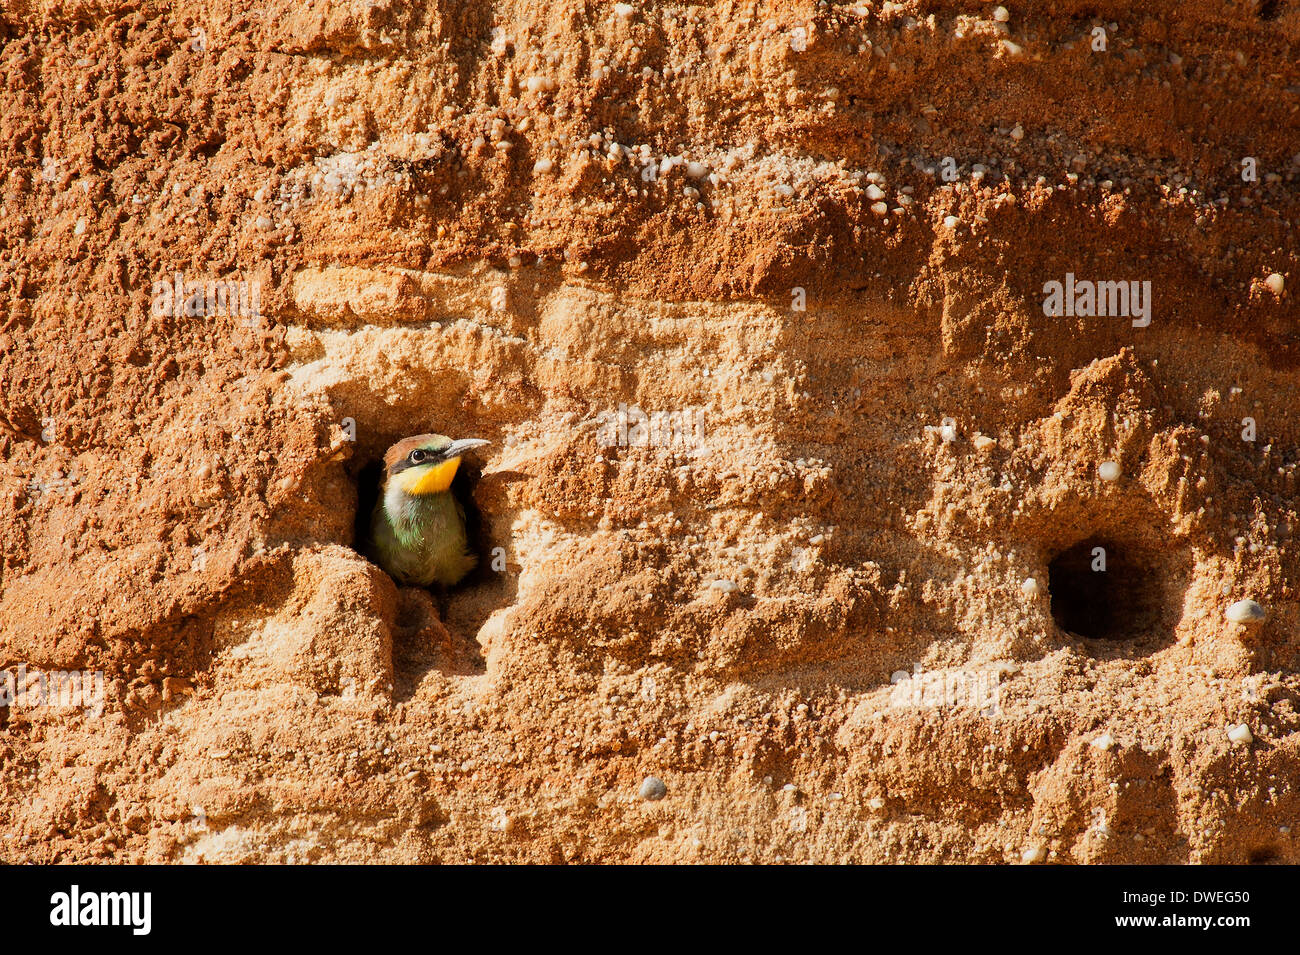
(813, 243)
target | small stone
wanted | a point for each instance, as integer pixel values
(1001, 14)
(1103, 742)
(726, 586)
(1030, 587)
(543, 166)
(951, 222)
(1013, 49)
(948, 432)
(982, 442)
(880, 208)
(1275, 283)
(696, 170)
(653, 789)
(1033, 854)
(874, 192)
(1108, 471)
(1246, 611)
(1017, 132)
(1240, 734)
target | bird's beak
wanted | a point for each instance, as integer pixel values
(438, 478)
(464, 444)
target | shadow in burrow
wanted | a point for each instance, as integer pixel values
(1116, 584)
(436, 629)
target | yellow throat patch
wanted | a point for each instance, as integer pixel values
(432, 479)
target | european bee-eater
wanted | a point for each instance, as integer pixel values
(417, 530)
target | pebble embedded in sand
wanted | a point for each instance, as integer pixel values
(697, 170)
(1276, 283)
(1001, 14)
(1246, 611)
(948, 432)
(653, 789)
(1103, 742)
(543, 165)
(880, 208)
(1017, 132)
(1033, 855)
(1030, 587)
(874, 192)
(725, 586)
(982, 442)
(951, 222)
(1108, 471)
(1240, 734)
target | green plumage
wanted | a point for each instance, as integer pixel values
(420, 539)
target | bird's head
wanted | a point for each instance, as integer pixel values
(425, 463)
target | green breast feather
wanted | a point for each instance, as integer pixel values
(421, 540)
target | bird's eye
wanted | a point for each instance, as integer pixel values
(417, 456)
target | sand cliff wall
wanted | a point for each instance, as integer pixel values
(810, 243)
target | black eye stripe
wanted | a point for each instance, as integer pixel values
(417, 457)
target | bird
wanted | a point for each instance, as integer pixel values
(417, 528)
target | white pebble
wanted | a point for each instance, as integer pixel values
(880, 208)
(951, 222)
(1013, 49)
(1030, 587)
(874, 192)
(1275, 283)
(726, 586)
(1246, 611)
(982, 442)
(1240, 734)
(1017, 132)
(696, 170)
(1001, 14)
(1103, 742)
(948, 432)
(1108, 471)
(624, 9)
(543, 165)
(1033, 854)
